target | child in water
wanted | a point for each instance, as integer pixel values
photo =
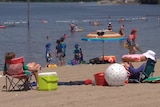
(48, 55)
(78, 56)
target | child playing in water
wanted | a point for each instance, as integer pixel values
(78, 56)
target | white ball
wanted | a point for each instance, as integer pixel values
(116, 75)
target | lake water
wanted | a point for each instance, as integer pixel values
(31, 43)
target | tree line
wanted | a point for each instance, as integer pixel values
(139, 1)
(149, 1)
(49, 0)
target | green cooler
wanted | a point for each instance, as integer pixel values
(47, 81)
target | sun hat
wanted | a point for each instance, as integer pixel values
(150, 54)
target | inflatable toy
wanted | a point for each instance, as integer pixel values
(52, 66)
(110, 59)
(78, 30)
(2, 27)
(104, 34)
(133, 58)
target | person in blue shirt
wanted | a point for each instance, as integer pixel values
(64, 46)
(59, 53)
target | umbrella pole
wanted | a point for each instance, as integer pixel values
(103, 51)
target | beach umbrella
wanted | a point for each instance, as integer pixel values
(103, 36)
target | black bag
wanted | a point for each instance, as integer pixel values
(95, 61)
(98, 61)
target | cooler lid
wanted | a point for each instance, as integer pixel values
(47, 73)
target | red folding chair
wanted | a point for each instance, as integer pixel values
(16, 79)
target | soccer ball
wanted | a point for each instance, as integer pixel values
(116, 75)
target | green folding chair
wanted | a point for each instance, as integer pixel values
(148, 70)
(146, 73)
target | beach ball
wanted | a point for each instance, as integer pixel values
(116, 75)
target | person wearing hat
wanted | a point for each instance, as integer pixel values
(110, 26)
(78, 56)
(135, 72)
(131, 41)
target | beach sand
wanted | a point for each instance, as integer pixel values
(130, 95)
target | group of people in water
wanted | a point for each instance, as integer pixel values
(130, 43)
(130, 39)
(60, 53)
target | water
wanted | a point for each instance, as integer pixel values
(60, 15)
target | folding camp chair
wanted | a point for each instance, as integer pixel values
(15, 77)
(146, 73)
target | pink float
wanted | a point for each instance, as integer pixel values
(133, 58)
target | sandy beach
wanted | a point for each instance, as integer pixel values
(130, 95)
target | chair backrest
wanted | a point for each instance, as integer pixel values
(148, 70)
(15, 66)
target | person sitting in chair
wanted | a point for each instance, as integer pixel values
(135, 72)
(28, 69)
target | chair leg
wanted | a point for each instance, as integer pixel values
(6, 87)
(14, 83)
(8, 83)
(26, 84)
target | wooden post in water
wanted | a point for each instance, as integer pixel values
(28, 13)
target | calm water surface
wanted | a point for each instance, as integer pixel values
(31, 44)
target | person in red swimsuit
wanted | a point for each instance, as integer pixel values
(131, 40)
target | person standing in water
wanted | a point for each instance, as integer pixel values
(48, 55)
(121, 31)
(131, 40)
(59, 53)
(72, 27)
(110, 26)
(64, 46)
